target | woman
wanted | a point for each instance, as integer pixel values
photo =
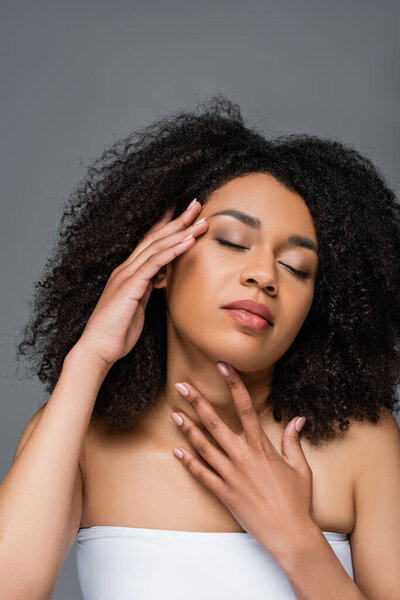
(130, 315)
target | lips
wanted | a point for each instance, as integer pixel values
(253, 307)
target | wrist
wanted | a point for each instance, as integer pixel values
(81, 354)
(300, 545)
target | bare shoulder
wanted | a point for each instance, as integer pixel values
(91, 434)
(374, 446)
(376, 452)
(375, 539)
(385, 431)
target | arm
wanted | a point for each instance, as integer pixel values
(37, 506)
(314, 571)
(37, 493)
(312, 567)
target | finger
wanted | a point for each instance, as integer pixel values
(137, 281)
(161, 221)
(225, 437)
(208, 452)
(292, 450)
(244, 407)
(178, 224)
(141, 244)
(164, 219)
(204, 475)
(163, 251)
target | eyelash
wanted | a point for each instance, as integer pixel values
(300, 274)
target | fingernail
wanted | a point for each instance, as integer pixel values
(225, 370)
(181, 388)
(193, 202)
(178, 453)
(299, 423)
(177, 418)
(186, 238)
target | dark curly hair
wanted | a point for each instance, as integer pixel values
(343, 364)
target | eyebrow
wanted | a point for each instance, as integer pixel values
(293, 240)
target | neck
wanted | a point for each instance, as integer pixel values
(188, 363)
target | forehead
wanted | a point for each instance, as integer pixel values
(264, 197)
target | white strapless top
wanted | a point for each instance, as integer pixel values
(134, 563)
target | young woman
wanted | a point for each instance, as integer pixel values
(290, 278)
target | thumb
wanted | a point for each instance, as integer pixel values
(291, 447)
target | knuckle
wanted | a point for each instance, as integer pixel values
(246, 409)
(187, 427)
(210, 423)
(233, 383)
(155, 261)
(190, 463)
(115, 273)
(195, 400)
(200, 476)
(151, 237)
(182, 218)
(202, 450)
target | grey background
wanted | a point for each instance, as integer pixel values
(76, 76)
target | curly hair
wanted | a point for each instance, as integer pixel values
(344, 362)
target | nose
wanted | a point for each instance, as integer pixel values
(262, 271)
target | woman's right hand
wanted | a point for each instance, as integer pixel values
(118, 317)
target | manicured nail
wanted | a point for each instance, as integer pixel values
(178, 453)
(193, 202)
(188, 237)
(181, 388)
(223, 368)
(177, 418)
(299, 423)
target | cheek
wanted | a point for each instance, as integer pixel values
(192, 290)
(288, 325)
(294, 310)
(198, 286)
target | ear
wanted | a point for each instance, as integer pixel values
(160, 279)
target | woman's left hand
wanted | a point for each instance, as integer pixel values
(269, 496)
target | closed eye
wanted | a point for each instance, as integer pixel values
(301, 274)
(226, 243)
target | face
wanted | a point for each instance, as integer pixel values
(265, 267)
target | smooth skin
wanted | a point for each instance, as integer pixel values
(162, 491)
(209, 275)
(356, 480)
(269, 494)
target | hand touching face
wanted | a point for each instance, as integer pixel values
(245, 254)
